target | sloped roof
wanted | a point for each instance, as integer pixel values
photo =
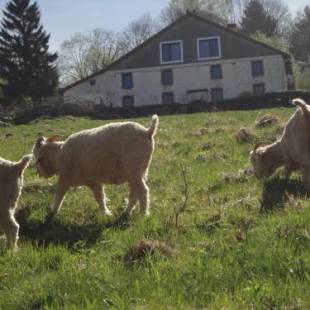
(201, 16)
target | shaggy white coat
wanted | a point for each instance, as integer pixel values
(292, 150)
(112, 154)
(11, 183)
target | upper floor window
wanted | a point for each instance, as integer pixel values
(171, 52)
(209, 48)
(166, 77)
(127, 81)
(216, 72)
(257, 68)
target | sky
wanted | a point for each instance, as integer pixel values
(63, 18)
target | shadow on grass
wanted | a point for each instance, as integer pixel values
(276, 193)
(53, 231)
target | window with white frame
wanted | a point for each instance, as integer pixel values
(171, 52)
(209, 48)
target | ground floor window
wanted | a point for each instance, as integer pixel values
(168, 98)
(128, 101)
(166, 77)
(217, 94)
(259, 89)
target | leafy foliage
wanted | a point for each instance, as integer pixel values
(300, 37)
(218, 11)
(84, 54)
(25, 63)
(257, 19)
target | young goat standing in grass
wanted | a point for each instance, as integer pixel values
(112, 154)
(11, 183)
(292, 150)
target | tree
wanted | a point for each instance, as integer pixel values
(300, 37)
(25, 63)
(257, 19)
(85, 54)
(270, 17)
(137, 32)
(216, 10)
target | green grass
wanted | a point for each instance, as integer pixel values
(240, 243)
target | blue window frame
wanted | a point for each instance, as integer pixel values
(168, 98)
(209, 48)
(217, 94)
(216, 72)
(171, 52)
(257, 68)
(167, 77)
(127, 80)
(128, 101)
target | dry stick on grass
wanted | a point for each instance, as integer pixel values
(182, 209)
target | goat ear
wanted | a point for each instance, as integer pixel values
(40, 141)
(54, 138)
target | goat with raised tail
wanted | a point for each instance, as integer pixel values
(116, 153)
(11, 184)
(292, 150)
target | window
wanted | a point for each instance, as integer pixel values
(171, 52)
(257, 68)
(209, 48)
(128, 101)
(168, 98)
(92, 82)
(166, 77)
(217, 94)
(127, 81)
(216, 72)
(259, 89)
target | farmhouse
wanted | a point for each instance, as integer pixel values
(191, 59)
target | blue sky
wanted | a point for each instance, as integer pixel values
(62, 18)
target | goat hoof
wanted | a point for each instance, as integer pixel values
(107, 212)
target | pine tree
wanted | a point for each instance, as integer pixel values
(256, 19)
(300, 37)
(26, 66)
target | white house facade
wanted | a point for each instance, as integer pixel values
(192, 59)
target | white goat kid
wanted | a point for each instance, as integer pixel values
(292, 150)
(11, 183)
(112, 154)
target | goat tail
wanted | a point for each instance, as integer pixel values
(23, 163)
(153, 129)
(303, 105)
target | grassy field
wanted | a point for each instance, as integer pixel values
(237, 243)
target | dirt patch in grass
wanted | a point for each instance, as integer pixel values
(139, 252)
(240, 177)
(245, 135)
(266, 120)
